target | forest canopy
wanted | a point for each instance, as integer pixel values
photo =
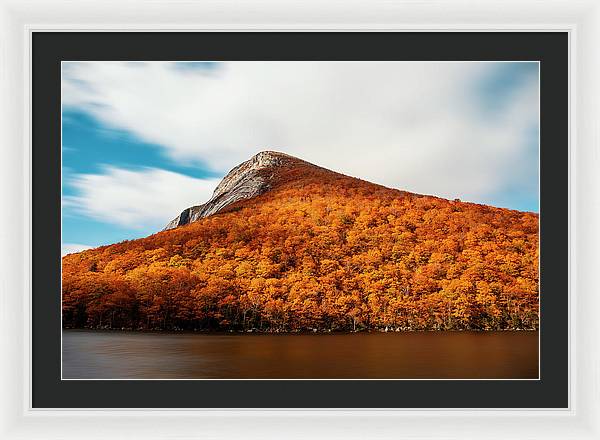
(319, 251)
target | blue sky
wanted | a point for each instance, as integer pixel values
(142, 141)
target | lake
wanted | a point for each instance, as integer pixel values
(89, 354)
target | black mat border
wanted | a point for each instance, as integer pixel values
(550, 48)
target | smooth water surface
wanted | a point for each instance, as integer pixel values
(405, 355)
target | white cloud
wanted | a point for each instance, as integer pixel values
(414, 126)
(148, 198)
(71, 248)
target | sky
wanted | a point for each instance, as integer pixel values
(141, 141)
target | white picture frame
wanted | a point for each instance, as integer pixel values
(18, 20)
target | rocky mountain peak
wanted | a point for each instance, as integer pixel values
(249, 179)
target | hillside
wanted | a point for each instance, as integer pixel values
(286, 245)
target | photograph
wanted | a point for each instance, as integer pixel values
(305, 220)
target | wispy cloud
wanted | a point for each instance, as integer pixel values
(71, 248)
(137, 199)
(450, 129)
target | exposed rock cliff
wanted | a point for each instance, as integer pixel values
(249, 179)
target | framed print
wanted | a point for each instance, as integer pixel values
(290, 271)
(369, 226)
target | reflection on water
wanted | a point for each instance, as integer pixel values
(408, 355)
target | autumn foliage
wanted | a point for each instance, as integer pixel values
(318, 251)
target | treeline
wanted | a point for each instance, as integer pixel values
(324, 252)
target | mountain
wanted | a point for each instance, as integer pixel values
(285, 245)
(254, 177)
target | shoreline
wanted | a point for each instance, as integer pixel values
(289, 333)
